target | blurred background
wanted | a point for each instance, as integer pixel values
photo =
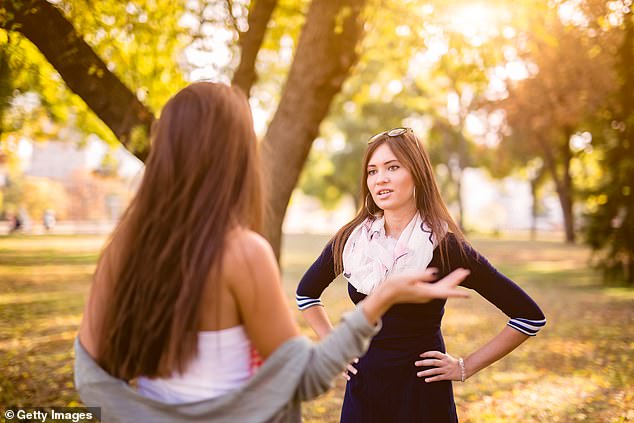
(526, 109)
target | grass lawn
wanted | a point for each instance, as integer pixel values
(579, 368)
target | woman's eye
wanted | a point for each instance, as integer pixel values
(371, 171)
(393, 168)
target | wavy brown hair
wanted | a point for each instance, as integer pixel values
(410, 152)
(201, 180)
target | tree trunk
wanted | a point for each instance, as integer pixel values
(565, 194)
(626, 55)
(6, 88)
(326, 51)
(250, 43)
(462, 165)
(454, 166)
(459, 199)
(563, 186)
(534, 209)
(82, 70)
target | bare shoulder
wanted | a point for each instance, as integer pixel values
(246, 245)
(248, 254)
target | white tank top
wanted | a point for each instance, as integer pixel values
(224, 363)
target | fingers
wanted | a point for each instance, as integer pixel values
(428, 362)
(437, 378)
(453, 279)
(436, 371)
(447, 287)
(443, 366)
(350, 369)
(455, 293)
(431, 273)
(428, 275)
(433, 354)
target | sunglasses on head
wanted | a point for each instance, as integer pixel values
(395, 132)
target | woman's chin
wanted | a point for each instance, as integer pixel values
(392, 206)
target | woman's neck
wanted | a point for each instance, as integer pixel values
(397, 220)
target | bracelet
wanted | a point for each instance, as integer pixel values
(462, 371)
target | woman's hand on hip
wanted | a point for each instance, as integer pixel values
(444, 367)
(350, 369)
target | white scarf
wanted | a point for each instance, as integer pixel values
(369, 257)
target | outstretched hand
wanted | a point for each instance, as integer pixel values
(415, 287)
(412, 287)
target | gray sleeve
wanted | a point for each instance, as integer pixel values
(328, 358)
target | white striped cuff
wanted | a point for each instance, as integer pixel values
(306, 302)
(526, 326)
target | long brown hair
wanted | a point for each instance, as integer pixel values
(201, 179)
(410, 152)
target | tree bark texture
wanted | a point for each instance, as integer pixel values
(563, 186)
(326, 51)
(83, 70)
(250, 43)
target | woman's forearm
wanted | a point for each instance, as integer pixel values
(318, 320)
(502, 344)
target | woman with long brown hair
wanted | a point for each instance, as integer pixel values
(186, 290)
(402, 226)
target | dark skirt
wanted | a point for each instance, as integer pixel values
(386, 389)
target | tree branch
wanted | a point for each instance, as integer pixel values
(83, 70)
(234, 22)
(250, 43)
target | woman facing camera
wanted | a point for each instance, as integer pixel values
(404, 226)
